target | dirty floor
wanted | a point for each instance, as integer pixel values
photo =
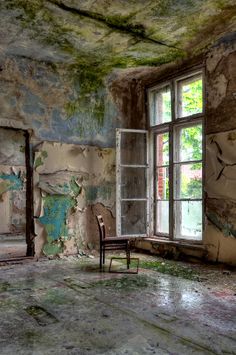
(67, 306)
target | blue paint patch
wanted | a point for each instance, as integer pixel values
(36, 124)
(33, 104)
(13, 102)
(82, 128)
(56, 208)
(16, 182)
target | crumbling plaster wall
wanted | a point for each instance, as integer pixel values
(220, 184)
(73, 152)
(72, 183)
(219, 236)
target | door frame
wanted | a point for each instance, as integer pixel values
(29, 228)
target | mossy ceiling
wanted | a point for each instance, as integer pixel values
(112, 33)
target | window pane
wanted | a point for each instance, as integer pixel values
(189, 93)
(133, 148)
(162, 183)
(162, 149)
(188, 220)
(133, 183)
(133, 217)
(188, 143)
(161, 110)
(188, 181)
(162, 217)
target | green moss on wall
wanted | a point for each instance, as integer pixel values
(53, 247)
(89, 67)
(40, 159)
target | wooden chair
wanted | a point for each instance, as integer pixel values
(111, 243)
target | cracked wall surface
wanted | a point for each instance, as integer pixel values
(220, 129)
(43, 98)
(220, 184)
(57, 82)
(68, 182)
(69, 179)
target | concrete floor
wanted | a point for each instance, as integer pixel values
(67, 306)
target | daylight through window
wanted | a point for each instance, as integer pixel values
(176, 112)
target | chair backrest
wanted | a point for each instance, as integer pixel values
(101, 226)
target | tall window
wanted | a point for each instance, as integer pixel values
(176, 113)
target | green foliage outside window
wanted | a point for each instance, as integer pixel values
(191, 98)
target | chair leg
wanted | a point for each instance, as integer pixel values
(101, 250)
(128, 254)
(103, 255)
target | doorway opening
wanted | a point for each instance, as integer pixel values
(15, 195)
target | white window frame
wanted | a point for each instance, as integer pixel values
(170, 127)
(119, 165)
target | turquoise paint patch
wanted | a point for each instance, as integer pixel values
(15, 181)
(56, 209)
(33, 103)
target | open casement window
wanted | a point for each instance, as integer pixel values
(176, 116)
(132, 195)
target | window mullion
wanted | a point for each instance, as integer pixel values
(171, 165)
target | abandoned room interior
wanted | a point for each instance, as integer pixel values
(124, 110)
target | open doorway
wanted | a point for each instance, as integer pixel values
(14, 194)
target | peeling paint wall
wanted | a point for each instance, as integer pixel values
(12, 182)
(72, 176)
(69, 181)
(74, 149)
(40, 96)
(219, 237)
(220, 186)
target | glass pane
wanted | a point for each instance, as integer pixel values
(188, 181)
(133, 183)
(189, 96)
(162, 184)
(190, 143)
(162, 217)
(188, 220)
(133, 148)
(161, 106)
(133, 217)
(162, 149)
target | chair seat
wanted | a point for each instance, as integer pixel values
(116, 238)
(111, 243)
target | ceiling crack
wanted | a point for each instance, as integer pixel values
(135, 30)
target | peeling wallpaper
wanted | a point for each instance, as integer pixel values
(74, 153)
(38, 96)
(69, 179)
(220, 176)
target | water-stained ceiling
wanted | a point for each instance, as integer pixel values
(112, 33)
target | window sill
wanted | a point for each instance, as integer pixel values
(180, 243)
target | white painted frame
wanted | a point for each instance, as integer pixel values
(171, 127)
(119, 165)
